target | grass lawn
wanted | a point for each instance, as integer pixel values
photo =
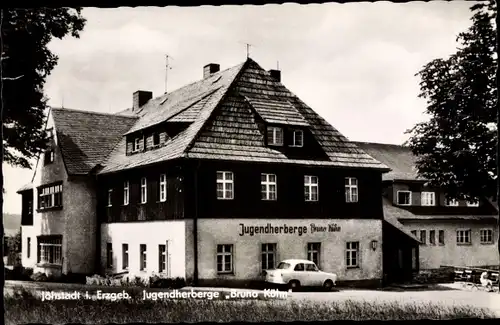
(24, 307)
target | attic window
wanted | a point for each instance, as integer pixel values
(48, 157)
(137, 144)
(216, 79)
(156, 139)
(274, 136)
(297, 138)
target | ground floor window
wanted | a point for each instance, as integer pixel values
(109, 255)
(463, 237)
(225, 258)
(432, 237)
(50, 249)
(143, 257)
(352, 254)
(125, 256)
(441, 237)
(313, 252)
(486, 236)
(423, 237)
(28, 247)
(162, 258)
(414, 258)
(268, 256)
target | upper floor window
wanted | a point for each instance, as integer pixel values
(486, 236)
(110, 197)
(144, 190)
(137, 144)
(274, 136)
(404, 197)
(126, 192)
(156, 139)
(225, 185)
(163, 188)
(351, 189)
(428, 198)
(268, 187)
(311, 188)
(451, 202)
(473, 204)
(464, 236)
(48, 156)
(297, 138)
(50, 196)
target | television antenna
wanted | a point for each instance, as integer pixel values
(167, 67)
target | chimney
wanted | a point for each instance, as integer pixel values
(210, 69)
(141, 97)
(276, 75)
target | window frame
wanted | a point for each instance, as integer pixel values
(481, 237)
(225, 184)
(110, 198)
(109, 255)
(308, 188)
(53, 245)
(224, 254)
(162, 258)
(311, 250)
(267, 183)
(473, 205)
(424, 195)
(423, 237)
(441, 238)
(126, 193)
(349, 196)
(294, 139)
(47, 160)
(349, 257)
(125, 259)
(28, 247)
(409, 197)
(464, 231)
(54, 191)
(143, 257)
(265, 252)
(136, 145)
(144, 190)
(432, 237)
(163, 188)
(275, 130)
(156, 135)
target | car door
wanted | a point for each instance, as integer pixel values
(300, 274)
(313, 274)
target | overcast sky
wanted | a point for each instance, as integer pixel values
(354, 64)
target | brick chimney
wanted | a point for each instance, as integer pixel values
(141, 97)
(276, 75)
(210, 69)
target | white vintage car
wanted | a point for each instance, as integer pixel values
(296, 273)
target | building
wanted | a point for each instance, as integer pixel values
(451, 232)
(214, 182)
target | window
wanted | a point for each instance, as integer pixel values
(451, 202)
(162, 258)
(48, 156)
(144, 190)
(109, 255)
(351, 189)
(125, 256)
(275, 136)
(428, 198)
(156, 139)
(143, 257)
(311, 188)
(414, 233)
(432, 237)
(297, 138)
(50, 250)
(225, 258)
(50, 197)
(414, 259)
(313, 252)
(473, 204)
(268, 256)
(299, 267)
(463, 237)
(311, 267)
(126, 193)
(137, 144)
(423, 237)
(404, 197)
(486, 236)
(28, 247)
(225, 181)
(352, 254)
(163, 188)
(441, 237)
(110, 197)
(268, 186)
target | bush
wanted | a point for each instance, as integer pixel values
(168, 283)
(18, 273)
(39, 277)
(153, 281)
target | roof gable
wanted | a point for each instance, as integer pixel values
(86, 138)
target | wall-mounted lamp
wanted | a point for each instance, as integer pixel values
(374, 244)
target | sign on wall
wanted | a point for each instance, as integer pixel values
(287, 229)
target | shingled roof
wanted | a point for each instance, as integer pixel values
(86, 138)
(224, 108)
(398, 158)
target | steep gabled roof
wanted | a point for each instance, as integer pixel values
(398, 158)
(224, 123)
(86, 138)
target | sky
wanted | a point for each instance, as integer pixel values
(354, 63)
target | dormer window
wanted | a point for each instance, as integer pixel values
(404, 198)
(451, 202)
(137, 144)
(274, 136)
(156, 139)
(48, 157)
(297, 138)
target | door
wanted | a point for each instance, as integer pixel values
(300, 274)
(314, 276)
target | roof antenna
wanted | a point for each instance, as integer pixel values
(248, 48)
(167, 67)
(278, 65)
(62, 101)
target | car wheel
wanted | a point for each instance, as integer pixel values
(293, 285)
(328, 285)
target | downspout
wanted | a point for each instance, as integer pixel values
(195, 224)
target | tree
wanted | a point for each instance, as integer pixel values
(456, 148)
(26, 62)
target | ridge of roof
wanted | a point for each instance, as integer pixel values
(92, 112)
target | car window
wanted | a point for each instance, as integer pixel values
(299, 267)
(283, 266)
(311, 267)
